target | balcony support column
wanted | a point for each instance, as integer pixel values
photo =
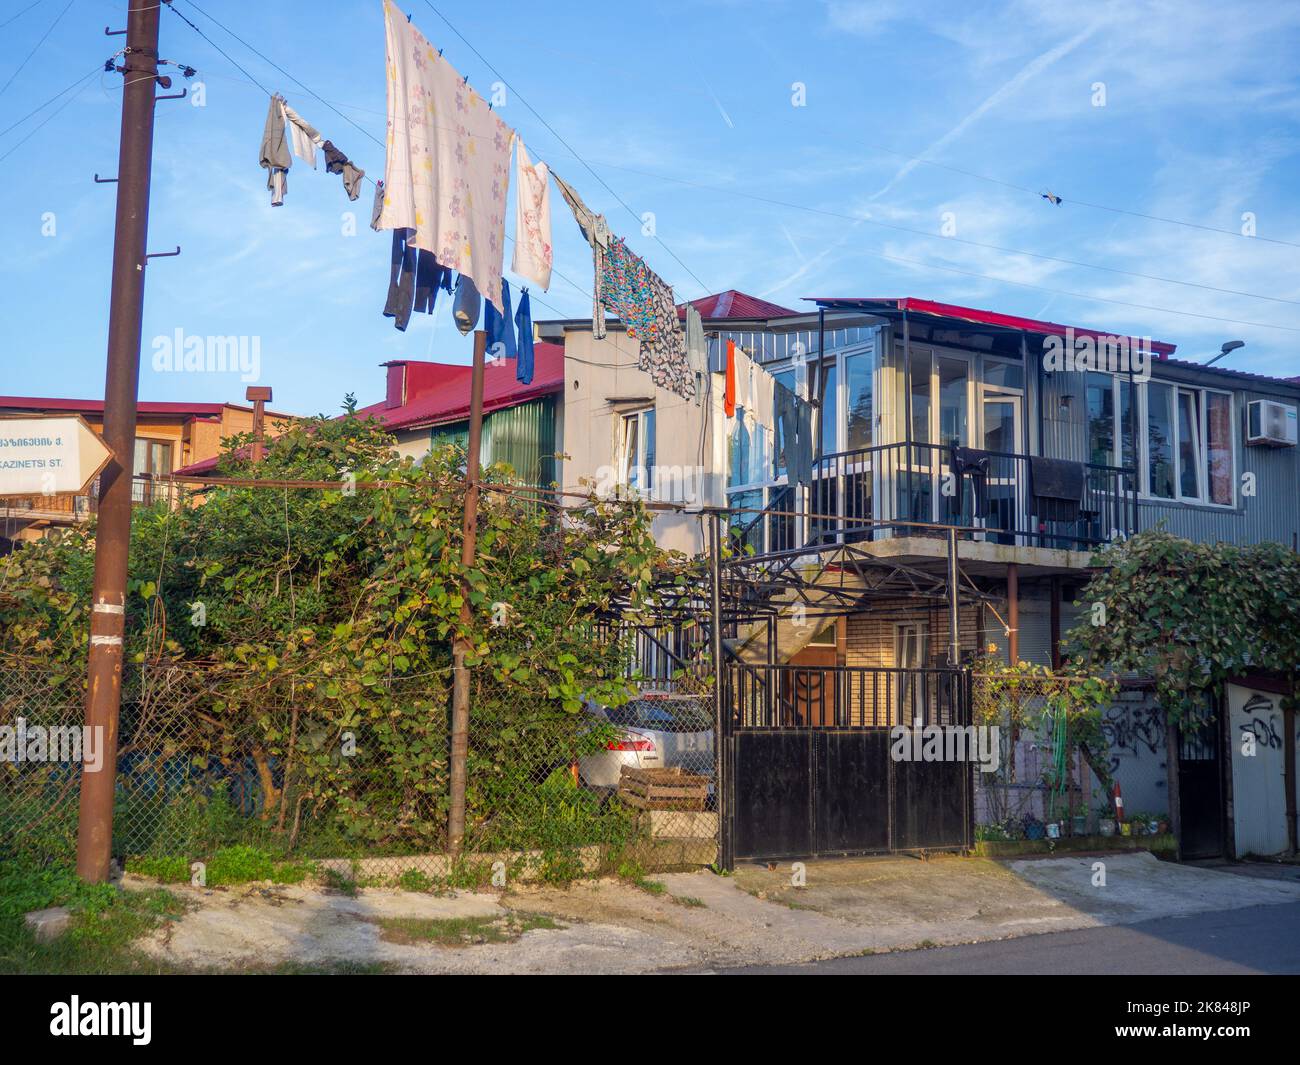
(1013, 613)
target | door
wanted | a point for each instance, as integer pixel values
(811, 691)
(1200, 794)
(1003, 433)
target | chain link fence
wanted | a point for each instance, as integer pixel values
(321, 777)
(1046, 781)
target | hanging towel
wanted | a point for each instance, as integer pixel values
(401, 280)
(302, 134)
(468, 305)
(274, 154)
(729, 389)
(377, 208)
(524, 327)
(447, 164)
(500, 328)
(697, 352)
(595, 230)
(533, 253)
(794, 429)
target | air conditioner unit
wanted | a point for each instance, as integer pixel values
(1270, 424)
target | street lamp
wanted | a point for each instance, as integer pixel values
(1230, 346)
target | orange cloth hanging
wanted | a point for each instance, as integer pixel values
(729, 391)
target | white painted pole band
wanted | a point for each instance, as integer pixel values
(111, 641)
(109, 608)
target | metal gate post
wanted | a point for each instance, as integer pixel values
(722, 760)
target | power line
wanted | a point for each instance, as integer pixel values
(571, 150)
(36, 48)
(51, 100)
(1065, 198)
(277, 66)
(935, 236)
(48, 118)
(15, 18)
(1078, 295)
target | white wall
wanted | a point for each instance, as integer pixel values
(602, 383)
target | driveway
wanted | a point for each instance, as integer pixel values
(700, 921)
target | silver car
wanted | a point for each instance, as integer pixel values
(652, 731)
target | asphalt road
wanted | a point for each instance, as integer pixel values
(1258, 939)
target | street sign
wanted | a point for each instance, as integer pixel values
(49, 454)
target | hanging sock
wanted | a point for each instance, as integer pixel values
(401, 279)
(500, 327)
(468, 305)
(274, 154)
(377, 208)
(524, 326)
(430, 275)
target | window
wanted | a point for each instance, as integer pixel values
(920, 397)
(1160, 441)
(152, 458)
(1187, 442)
(827, 637)
(1218, 449)
(638, 450)
(952, 401)
(857, 382)
(828, 394)
(1111, 420)
(1101, 419)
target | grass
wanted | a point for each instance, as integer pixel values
(689, 901)
(461, 931)
(105, 922)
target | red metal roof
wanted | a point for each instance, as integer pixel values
(972, 314)
(734, 304)
(96, 406)
(441, 393)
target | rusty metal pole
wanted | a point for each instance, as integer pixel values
(461, 645)
(113, 533)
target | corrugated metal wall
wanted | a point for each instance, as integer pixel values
(523, 437)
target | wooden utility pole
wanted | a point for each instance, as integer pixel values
(461, 645)
(113, 534)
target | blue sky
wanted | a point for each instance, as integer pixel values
(685, 110)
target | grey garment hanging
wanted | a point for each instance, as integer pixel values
(794, 423)
(274, 155)
(697, 351)
(377, 208)
(468, 305)
(596, 232)
(352, 176)
(401, 279)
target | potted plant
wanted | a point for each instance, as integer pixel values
(1079, 827)
(1105, 822)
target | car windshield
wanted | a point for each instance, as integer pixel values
(666, 715)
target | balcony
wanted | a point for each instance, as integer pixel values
(70, 509)
(896, 490)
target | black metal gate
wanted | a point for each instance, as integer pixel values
(831, 761)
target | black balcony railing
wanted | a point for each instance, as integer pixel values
(899, 489)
